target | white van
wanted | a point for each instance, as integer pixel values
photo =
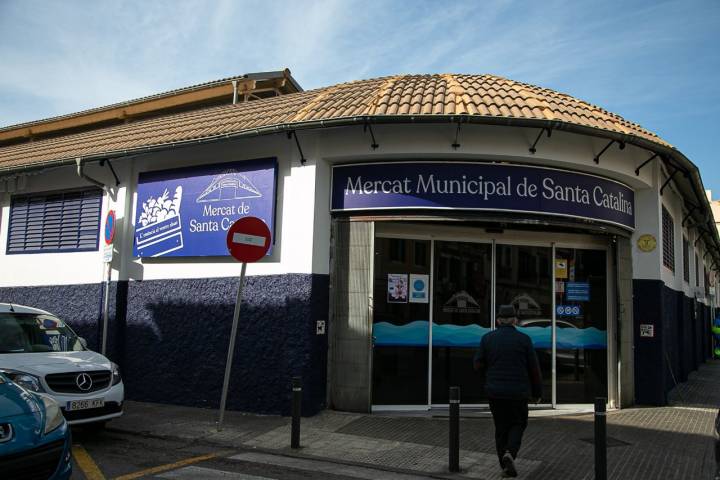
(42, 353)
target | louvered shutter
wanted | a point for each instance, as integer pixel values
(668, 239)
(55, 222)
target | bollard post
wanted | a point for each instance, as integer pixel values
(600, 439)
(296, 412)
(454, 444)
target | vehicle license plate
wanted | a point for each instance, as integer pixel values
(85, 404)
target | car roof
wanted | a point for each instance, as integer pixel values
(14, 308)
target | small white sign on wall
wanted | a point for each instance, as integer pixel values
(108, 253)
(647, 330)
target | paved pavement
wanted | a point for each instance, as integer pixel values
(674, 442)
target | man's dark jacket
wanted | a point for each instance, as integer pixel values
(512, 369)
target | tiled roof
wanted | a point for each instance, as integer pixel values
(479, 96)
(261, 76)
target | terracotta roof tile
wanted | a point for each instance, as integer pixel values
(476, 95)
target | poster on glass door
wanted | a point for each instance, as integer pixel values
(397, 288)
(419, 288)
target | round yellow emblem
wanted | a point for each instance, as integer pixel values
(646, 243)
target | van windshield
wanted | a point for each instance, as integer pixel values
(27, 333)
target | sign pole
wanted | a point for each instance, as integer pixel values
(231, 348)
(105, 307)
(107, 261)
(248, 240)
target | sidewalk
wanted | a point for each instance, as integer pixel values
(674, 442)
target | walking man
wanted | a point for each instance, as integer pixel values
(512, 377)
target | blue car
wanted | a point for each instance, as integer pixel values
(34, 437)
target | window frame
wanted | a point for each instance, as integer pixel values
(668, 239)
(14, 198)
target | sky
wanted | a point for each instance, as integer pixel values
(656, 63)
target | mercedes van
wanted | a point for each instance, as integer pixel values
(41, 353)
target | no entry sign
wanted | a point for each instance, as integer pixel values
(248, 239)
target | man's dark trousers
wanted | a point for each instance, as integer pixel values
(511, 419)
(512, 376)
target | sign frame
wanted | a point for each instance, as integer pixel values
(199, 218)
(483, 163)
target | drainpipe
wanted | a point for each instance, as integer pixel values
(81, 174)
(107, 269)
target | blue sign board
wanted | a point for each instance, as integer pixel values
(481, 186)
(577, 292)
(186, 212)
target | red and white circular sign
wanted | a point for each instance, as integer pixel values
(248, 239)
(110, 227)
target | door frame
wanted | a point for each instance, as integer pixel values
(463, 234)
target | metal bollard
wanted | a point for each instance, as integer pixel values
(454, 444)
(296, 412)
(600, 439)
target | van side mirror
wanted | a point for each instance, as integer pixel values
(83, 342)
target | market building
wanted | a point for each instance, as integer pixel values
(405, 211)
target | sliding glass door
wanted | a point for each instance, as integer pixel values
(461, 316)
(401, 322)
(581, 318)
(524, 280)
(434, 300)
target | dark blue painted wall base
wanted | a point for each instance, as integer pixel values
(170, 337)
(679, 345)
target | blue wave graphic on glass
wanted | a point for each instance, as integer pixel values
(415, 334)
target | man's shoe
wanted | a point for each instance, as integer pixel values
(508, 465)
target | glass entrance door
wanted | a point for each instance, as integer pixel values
(461, 316)
(524, 280)
(434, 300)
(401, 322)
(581, 319)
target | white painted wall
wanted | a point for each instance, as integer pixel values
(303, 217)
(48, 268)
(646, 265)
(649, 265)
(294, 222)
(479, 142)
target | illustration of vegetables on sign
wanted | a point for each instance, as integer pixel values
(160, 229)
(186, 212)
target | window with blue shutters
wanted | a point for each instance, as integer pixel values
(67, 221)
(668, 239)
